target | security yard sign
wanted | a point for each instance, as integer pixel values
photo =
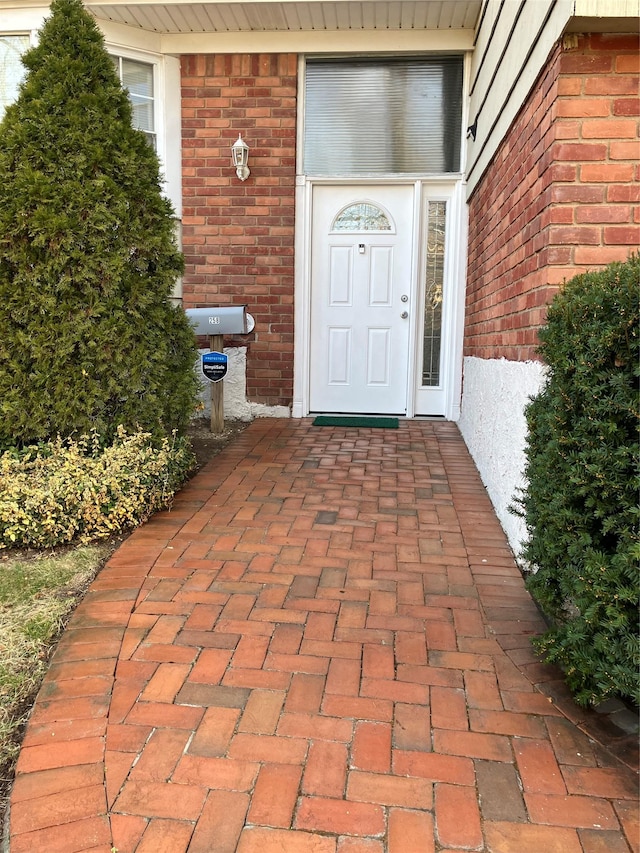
(214, 365)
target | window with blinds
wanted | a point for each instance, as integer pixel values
(366, 117)
(137, 79)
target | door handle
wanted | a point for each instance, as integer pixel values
(404, 315)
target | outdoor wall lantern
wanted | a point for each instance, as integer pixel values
(240, 158)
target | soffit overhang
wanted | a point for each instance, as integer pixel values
(287, 16)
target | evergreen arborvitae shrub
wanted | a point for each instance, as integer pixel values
(581, 504)
(88, 256)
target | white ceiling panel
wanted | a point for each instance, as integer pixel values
(184, 16)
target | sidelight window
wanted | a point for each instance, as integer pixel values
(434, 282)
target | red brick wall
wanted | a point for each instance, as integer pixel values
(559, 196)
(238, 238)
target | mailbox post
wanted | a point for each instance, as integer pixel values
(217, 322)
(216, 344)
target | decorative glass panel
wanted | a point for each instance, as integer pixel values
(385, 116)
(361, 217)
(432, 342)
(12, 71)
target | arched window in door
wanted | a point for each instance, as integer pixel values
(362, 216)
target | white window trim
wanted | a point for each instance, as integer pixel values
(25, 33)
(167, 115)
(167, 125)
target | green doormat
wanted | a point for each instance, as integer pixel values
(339, 420)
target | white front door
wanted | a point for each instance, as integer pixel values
(361, 289)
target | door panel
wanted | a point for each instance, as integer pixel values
(339, 356)
(379, 357)
(361, 267)
(340, 280)
(381, 282)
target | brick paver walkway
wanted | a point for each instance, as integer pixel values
(323, 648)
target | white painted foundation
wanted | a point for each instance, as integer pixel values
(236, 405)
(492, 423)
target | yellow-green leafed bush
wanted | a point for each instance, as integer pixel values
(64, 489)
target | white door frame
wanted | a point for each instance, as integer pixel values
(454, 288)
(437, 188)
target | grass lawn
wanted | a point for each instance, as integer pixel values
(38, 592)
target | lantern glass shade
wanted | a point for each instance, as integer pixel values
(240, 157)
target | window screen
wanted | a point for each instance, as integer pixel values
(378, 117)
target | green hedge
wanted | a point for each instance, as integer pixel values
(88, 254)
(581, 504)
(61, 491)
